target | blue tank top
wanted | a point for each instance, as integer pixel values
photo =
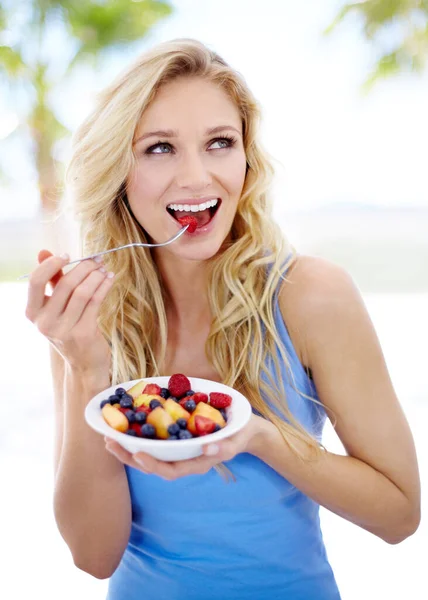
(201, 538)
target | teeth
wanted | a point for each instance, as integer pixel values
(193, 207)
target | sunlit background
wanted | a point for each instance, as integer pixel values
(350, 186)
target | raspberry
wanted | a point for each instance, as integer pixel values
(190, 221)
(199, 397)
(219, 400)
(178, 385)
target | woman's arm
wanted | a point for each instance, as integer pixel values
(91, 499)
(377, 484)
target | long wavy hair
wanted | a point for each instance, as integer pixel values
(244, 275)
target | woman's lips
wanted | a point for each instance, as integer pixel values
(203, 218)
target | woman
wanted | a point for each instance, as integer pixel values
(232, 302)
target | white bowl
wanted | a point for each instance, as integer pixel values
(238, 415)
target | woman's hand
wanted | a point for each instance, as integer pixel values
(68, 318)
(245, 440)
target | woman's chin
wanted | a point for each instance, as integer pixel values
(201, 254)
(198, 251)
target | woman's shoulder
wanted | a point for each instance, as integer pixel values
(315, 292)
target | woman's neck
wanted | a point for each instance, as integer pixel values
(185, 283)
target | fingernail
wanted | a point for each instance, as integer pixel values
(98, 259)
(211, 450)
(102, 270)
(110, 274)
(140, 461)
(65, 256)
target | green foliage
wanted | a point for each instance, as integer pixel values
(11, 62)
(410, 21)
(116, 24)
(90, 29)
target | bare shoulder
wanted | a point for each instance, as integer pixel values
(316, 295)
(314, 282)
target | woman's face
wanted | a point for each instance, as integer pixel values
(190, 155)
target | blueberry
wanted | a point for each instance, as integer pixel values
(189, 393)
(182, 423)
(173, 429)
(190, 405)
(104, 402)
(140, 417)
(223, 412)
(165, 393)
(184, 434)
(216, 428)
(114, 398)
(120, 391)
(174, 399)
(132, 432)
(148, 431)
(154, 404)
(130, 415)
(173, 437)
(126, 402)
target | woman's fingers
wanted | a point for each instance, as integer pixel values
(168, 470)
(41, 257)
(121, 454)
(68, 284)
(90, 314)
(44, 273)
(174, 470)
(73, 295)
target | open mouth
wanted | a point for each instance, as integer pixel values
(203, 212)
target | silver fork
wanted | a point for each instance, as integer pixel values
(134, 244)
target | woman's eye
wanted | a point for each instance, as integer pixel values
(222, 143)
(161, 148)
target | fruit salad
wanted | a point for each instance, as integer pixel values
(176, 412)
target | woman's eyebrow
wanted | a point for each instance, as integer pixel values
(169, 133)
(222, 128)
(158, 133)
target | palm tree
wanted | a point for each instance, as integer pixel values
(28, 63)
(406, 49)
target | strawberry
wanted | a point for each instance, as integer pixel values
(219, 400)
(203, 425)
(178, 385)
(152, 388)
(199, 397)
(143, 408)
(190, 221)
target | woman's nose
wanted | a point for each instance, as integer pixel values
(193, 173)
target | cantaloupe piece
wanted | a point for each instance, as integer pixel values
(115, 418)
(160, 420)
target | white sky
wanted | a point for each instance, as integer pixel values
(332, 143)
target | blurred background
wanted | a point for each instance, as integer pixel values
(344, 94)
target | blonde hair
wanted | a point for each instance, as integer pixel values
(244, 276)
